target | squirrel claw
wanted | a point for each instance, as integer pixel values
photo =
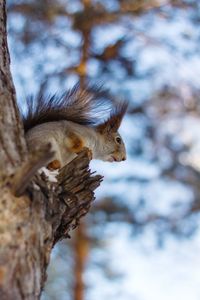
(89, 152)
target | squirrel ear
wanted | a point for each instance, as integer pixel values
(103, 127)
(114, 121)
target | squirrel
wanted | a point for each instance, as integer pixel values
(70, 123)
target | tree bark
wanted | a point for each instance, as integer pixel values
(12, 144)
(34, 213)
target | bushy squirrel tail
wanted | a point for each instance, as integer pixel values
(86, 106)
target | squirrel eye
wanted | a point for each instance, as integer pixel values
(118, 140)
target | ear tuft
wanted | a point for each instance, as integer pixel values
(114, 121)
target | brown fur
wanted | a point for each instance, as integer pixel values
(54, 165)
(82, 106)
(114, 121)
(76, 144)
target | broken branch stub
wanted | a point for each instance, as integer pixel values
(70, 198)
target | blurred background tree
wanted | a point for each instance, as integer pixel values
(143, 51)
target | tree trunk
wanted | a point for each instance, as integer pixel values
(34, 214)
(12, 144)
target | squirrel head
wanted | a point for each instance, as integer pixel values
(112, 147)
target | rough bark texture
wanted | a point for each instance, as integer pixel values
(12, 144)
(44, 212)
(30, 225)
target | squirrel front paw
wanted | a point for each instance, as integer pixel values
(89, 152)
